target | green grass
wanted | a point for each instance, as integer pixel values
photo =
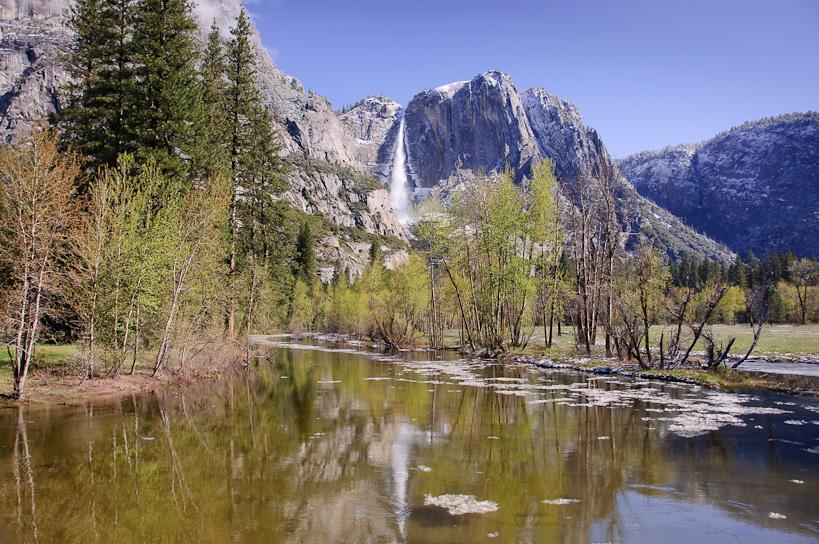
(785, 341)
(46, 355)
(775, 340)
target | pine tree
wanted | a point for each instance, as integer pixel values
(214, 157)
(98, 118)
(240, 69)
(306, 255)
(255, 171)
(169, 109)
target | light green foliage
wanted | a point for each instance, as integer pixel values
(640, 294)
(300, 314)
(731, 304)
(804, 275)
(484, 244)
(346, 306)
(398, 301)
(429, 227)
(547, 233)
(37, 224)
(153, 261)
(194, 267)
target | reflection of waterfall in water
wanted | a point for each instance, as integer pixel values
(399, 191)
(400, 459)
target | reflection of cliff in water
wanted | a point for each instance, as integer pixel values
(323, 447)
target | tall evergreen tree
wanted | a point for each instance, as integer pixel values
(98, 118)
(306, 255)
(169, 108)
(255, 171)
(214, 153)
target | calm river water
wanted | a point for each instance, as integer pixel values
(322, 445)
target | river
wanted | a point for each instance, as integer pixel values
(317, 444)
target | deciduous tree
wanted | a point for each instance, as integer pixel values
(37, 222)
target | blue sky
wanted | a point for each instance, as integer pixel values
(645, 74)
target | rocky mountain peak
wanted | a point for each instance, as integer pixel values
(471, 125)
(327, 175)
(562, 136)
(372, 123)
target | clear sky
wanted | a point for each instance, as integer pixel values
(644, 73)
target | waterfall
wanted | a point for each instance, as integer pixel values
(399, 192)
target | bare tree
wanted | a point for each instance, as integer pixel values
(638, 297)
(37, 219)
(805, 273)
(596, 234)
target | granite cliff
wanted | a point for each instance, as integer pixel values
(341, 162)
(455, 130)
(34, 35)
(753, 187)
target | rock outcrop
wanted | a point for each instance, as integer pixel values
(33, 35)
(455, 130)
(341, 162)
(327, 173)
(372, 123)
(754, 187)
(561, 136)
(469, 125)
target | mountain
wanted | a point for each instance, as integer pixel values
(754, 187)
(326, 179)
(342, 162)
(455, 130)
(33, 35)
(468, 126)
(373, 124)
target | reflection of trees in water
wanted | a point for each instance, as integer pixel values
(258, 458)
(24, 482)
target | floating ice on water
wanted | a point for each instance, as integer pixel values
(560, 502)
(691, 425)
(774, 515)
(511, 392)
(795, 422)
(458, 505)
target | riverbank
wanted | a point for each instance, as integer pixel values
(722, 379)
(54, 380)
(41, 389)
